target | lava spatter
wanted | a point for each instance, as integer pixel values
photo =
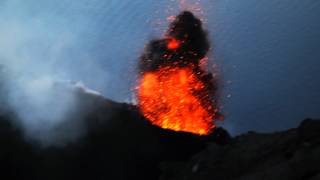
(174, 90)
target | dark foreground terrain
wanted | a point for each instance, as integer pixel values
(289, 155)
(118, 143)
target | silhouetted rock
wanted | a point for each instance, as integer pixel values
(288, 155)
(117, 142)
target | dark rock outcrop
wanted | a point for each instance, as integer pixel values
(290, 155)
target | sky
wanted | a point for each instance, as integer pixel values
(266, 51)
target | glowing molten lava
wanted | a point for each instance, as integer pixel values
(169, 98)
(175, 91)
(173, 43)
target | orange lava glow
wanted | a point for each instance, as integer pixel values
(173, 43)
(168, 98)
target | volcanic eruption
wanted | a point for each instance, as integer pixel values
(174, 90)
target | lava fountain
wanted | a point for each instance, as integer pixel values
(174, 90)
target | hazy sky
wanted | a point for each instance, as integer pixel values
(267, 50)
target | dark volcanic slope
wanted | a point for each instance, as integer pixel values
(288, 155)
(118, 143)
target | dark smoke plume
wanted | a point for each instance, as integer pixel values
(193, 46)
